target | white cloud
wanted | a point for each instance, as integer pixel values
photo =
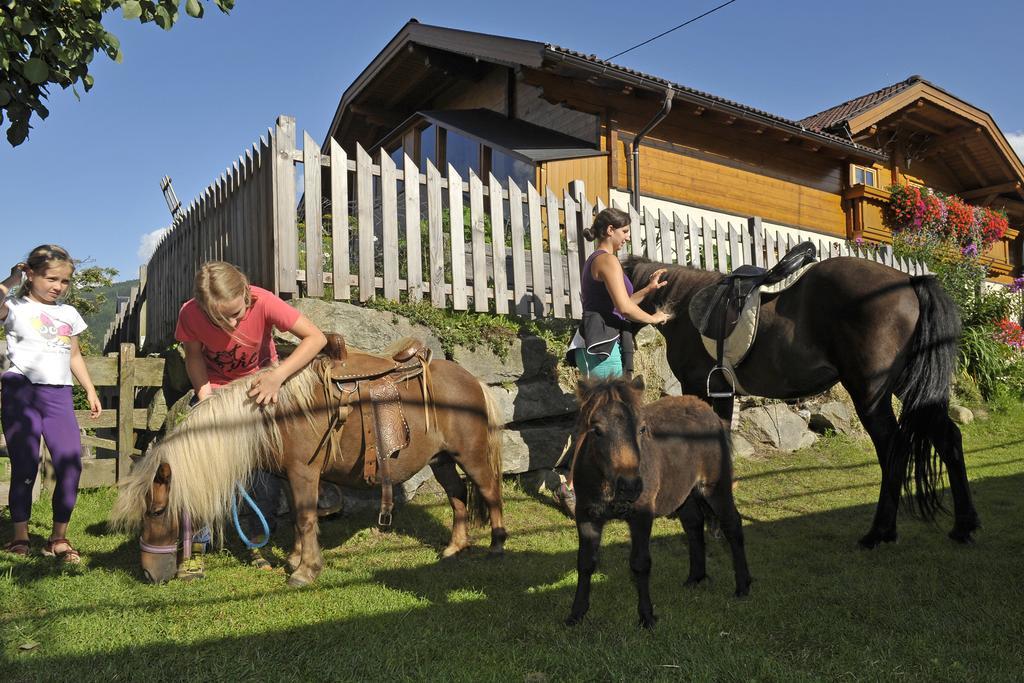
(148, 243)
(1017, 142)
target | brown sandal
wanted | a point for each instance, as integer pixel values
(68, 556)
(18, 546)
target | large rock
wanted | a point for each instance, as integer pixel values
(533, 400)
(833, 416)
(526, 359)
(531, 447)
(961, 415)
(741, 448)
(364, 328)
(369, 499)
(776, 425)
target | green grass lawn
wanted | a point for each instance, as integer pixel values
(386, 608)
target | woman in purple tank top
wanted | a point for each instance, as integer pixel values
(603, 345)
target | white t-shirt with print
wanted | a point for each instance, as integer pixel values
(39, 339)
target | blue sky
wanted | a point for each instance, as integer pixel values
(187, 102)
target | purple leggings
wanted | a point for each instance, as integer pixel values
(30, 411)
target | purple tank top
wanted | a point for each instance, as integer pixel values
(593, 292)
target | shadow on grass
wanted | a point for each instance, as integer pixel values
(818, 607)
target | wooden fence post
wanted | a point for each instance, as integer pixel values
(283, 184)
(125, 408)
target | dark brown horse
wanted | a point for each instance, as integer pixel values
(637, 462)
(192, 473)
(878, 332)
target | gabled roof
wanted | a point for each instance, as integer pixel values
(515, 52)
(833, 117)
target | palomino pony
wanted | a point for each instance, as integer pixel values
(876, 331)
(634, 461)
(189, 478)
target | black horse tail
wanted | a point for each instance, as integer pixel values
(923, 387)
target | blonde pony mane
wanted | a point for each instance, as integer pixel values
(221, 441)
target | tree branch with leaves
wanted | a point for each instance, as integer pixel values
(52, 42)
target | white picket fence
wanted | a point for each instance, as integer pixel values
(465, 244)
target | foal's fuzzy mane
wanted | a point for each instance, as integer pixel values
(221, 441)
(595, 394)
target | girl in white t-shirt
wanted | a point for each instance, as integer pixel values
(35, 401)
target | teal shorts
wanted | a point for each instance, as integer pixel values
(600, 366)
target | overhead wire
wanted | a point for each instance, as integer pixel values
(674, 28)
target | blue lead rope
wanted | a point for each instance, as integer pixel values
(259, 513)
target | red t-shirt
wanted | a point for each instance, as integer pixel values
(246, 350)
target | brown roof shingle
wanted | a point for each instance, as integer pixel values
(831, 118)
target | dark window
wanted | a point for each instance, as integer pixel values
(462, 153)
(428, 147)
(504, 166)
(398, 156)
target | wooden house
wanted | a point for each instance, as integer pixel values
(538, 112)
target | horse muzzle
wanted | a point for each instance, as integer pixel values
(159, 563)
(628, 489)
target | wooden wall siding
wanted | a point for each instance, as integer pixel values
(593, 171)
(491, 92)
(514, 249)
(532, 107)
(686, 179)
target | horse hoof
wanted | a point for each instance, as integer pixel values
(573, 619)
(962, 537)
(451, 551)
(648, 622)
(694, 581)
(873, 539)
(496, 553)
(297, 581)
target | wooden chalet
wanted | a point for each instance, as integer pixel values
(536, 112)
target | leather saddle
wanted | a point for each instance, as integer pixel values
(726, 313)
(369, 383)
(715, 309)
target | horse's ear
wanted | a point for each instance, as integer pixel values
(163, 474)
(638, 383)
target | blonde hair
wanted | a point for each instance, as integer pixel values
(41, 259)
(216, 283)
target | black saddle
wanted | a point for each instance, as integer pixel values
(715, 309)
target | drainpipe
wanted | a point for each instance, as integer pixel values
(666, 107)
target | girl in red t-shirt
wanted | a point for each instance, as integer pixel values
(226, 331)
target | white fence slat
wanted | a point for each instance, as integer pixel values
(285, 234)
(771, 243)
(314, 223)
(479, 242)
(679, 230)
(536, 251)
(572, 238)
(389, 224)
(457, 239)
(498, 245)
(515, 215)
(735, 248)
(555, 256)
(413, 241)
(586, 220)
(707, 233)
(435, 236)
(756, 231)
(666, 238)
(341, 263)
(651, 236)
(693, 241)
(722, 247)
(364, 194)
(636, 236)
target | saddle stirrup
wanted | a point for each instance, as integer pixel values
(728, 376)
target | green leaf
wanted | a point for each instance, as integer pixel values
(35, 70)
(194, 8)
(87, 81)
(130, 9)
